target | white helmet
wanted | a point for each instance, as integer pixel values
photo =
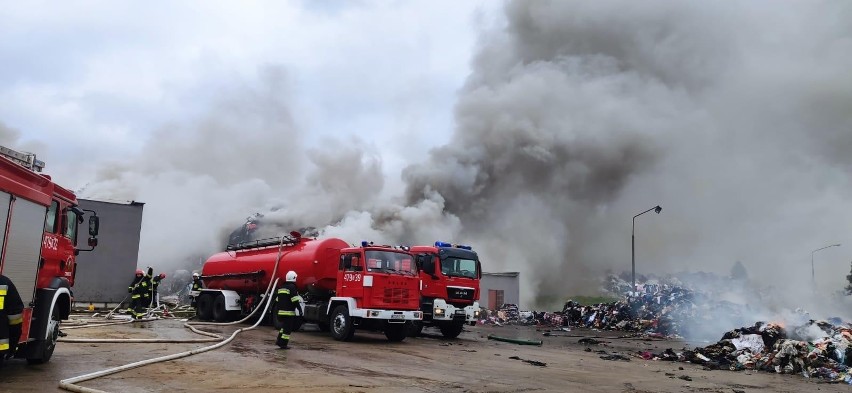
(290, 277)
(196, 275)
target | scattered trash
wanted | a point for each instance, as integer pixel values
(514, 340)
(615, 356)
(685, 377)
(533, 362)
(589, 341)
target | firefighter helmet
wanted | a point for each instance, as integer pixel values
(139, 272)
(195, 275)
(290, 277)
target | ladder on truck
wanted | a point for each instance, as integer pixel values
(27, 160)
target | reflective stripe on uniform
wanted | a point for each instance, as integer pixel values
(3, 289)
(296, 298)
(2, 302)
(283, 291)
(285, 336)
(4, 344)
(135, 296)
(286, 313)
(16, 319)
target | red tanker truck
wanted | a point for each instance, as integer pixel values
(450, 276)
(369, 287)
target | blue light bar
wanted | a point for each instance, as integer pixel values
(463, 247)
(442, 244)
(364, 243)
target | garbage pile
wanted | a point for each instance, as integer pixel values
(770, 347)
(508, 314)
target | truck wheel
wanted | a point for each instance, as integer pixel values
(44, 348)
(396, 332)
(342, 328)
(452, 329)
(220, 314)
(204, 309)
(414, 328)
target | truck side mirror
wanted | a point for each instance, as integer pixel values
(93, 242)
(94, 223)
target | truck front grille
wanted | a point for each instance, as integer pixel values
(395, 296)
(456, 293)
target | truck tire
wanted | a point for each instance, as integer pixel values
(414, 328)
(44, 348)
(220, 313)
(452, 329)
(204, 309)
(342, 327)
(396, 332)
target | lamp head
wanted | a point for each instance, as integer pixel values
(658, 209)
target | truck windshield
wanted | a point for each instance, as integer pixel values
(458, 267)
(390, 262)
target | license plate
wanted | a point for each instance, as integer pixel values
(397, 316)
(459, 312)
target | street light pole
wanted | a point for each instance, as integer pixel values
(813, 276)
(657, 209)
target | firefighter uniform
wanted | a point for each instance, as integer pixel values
(135, 295)
(155, 282)
(141, 293)
(288, 301)
(197, 286)
(11, 317)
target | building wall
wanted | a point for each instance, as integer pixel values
(103, 274)
(508, 282)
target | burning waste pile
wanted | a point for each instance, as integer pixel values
(816, 349)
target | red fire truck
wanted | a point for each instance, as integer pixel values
(38, 239)
(450, 275)
(345, 288)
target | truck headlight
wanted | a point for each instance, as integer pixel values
(439, 311)
(476, 314)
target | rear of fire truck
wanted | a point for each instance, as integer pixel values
(38, 249)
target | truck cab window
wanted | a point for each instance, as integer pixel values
(351, 263)
(71, 225)
(50, 219)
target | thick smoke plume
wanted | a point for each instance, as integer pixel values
(579, 115)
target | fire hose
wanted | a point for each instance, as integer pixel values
(70, 384)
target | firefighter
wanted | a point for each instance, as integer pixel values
(142, 294)
(135, 296)
(288, 301)
(155, 282)
(197, 286)
(11, 309)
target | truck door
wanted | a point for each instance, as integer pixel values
(351, 276)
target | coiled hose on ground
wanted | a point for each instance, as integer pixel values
(70, 384)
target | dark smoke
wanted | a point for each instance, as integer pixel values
(579, 115)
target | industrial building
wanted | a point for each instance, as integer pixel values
(497, 289)
(103, 274)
